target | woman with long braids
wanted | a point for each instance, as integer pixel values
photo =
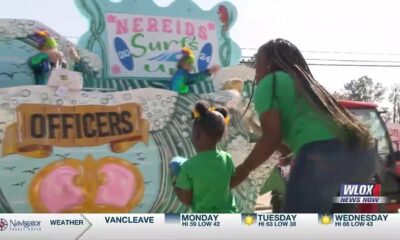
(330, 145)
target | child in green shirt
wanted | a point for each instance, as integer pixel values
(203, 180)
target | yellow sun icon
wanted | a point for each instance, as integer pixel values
(249, 220)
(326, 220)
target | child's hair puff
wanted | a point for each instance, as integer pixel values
(211, 123)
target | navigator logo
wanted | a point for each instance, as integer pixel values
(3, 224)
(24, 225)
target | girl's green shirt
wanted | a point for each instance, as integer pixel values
(208, 175)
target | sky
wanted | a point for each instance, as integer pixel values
(368, 28)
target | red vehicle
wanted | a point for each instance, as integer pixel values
(389, 165)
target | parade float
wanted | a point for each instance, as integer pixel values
(105, 146)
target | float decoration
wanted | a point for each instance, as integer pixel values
(140, 40)
(107, 185)
(168, 134)
(18, 46)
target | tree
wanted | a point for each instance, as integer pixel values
(385, 114)
(364, 89)
(394, 99)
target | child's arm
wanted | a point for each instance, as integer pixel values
(193, 78)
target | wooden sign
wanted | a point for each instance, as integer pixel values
(40, 126)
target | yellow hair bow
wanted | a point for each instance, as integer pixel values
(227, 119)
(196, 114)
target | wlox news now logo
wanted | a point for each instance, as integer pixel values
(360, 193)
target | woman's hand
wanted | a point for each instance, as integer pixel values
(286, 155)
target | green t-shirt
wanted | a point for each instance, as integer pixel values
(208, 175)
(300, 124)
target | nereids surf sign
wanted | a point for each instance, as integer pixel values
(142, 40)
(149, 46)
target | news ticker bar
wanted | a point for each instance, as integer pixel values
(199, 226)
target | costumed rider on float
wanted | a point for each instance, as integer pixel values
(183, 77)
(49, 57)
